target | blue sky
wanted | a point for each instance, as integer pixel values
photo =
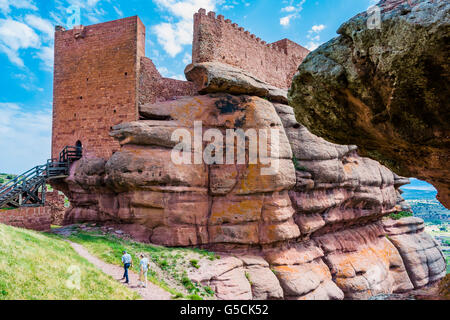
(26, 50)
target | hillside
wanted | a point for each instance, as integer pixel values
(5, 177)
(39, 266)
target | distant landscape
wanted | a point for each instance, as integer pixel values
(421, 196)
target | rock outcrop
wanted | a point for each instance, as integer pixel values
(308, 229)
(385, 89)
(420, 252)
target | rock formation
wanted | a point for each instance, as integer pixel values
(311, 230)
(385, 89)
(420, 252)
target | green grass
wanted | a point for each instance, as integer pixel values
(173, 262)
(401, 214)
(194, 263)
(39, 266)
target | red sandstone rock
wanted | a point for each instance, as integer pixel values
(212, 77)
(315, 222)
(420, 252)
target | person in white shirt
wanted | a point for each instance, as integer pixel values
(143, 265)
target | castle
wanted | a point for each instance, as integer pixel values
(313, 230)
(102, 77)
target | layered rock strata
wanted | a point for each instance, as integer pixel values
(383, 84)
(309, 230)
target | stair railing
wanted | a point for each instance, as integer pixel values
(22, 179)
(55, 168)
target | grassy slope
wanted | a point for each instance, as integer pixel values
(36, 266)
(172, 262)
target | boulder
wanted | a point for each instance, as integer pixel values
(309, 229)
(385, 89)
(363, 263)
(421, 254)
(211, 77)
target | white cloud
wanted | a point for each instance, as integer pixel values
(15, 35)
(46, 54)
(314, 37)
(172, 36)
(181, 77)
(312, 45)
(5, 5)
(285, 21)
(163, 71)
(288, 9)
(293, 9)
(26, 135)
(318, 28)
(118, 11)
(43, 25)
(168, 74)
(187, 58)
(34, 33)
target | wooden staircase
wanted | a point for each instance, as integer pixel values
(28, 189)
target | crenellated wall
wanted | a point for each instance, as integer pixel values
(220, 40)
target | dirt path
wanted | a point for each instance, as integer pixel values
(152, 292)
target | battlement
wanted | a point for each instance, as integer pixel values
(219, 39)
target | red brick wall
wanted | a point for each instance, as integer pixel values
(38, 219)
(154, 88)
(95, 83)
(216, 39)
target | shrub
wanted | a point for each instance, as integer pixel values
(401, 214)
(164, 264)
(209, 291)
(194, 263)
(187, 283)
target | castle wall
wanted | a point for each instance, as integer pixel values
(102, 76)
(34, 218)
(154, 88)
(95, 83)
(220, 40)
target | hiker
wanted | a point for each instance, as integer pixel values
(143, 265)
(127, 263)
